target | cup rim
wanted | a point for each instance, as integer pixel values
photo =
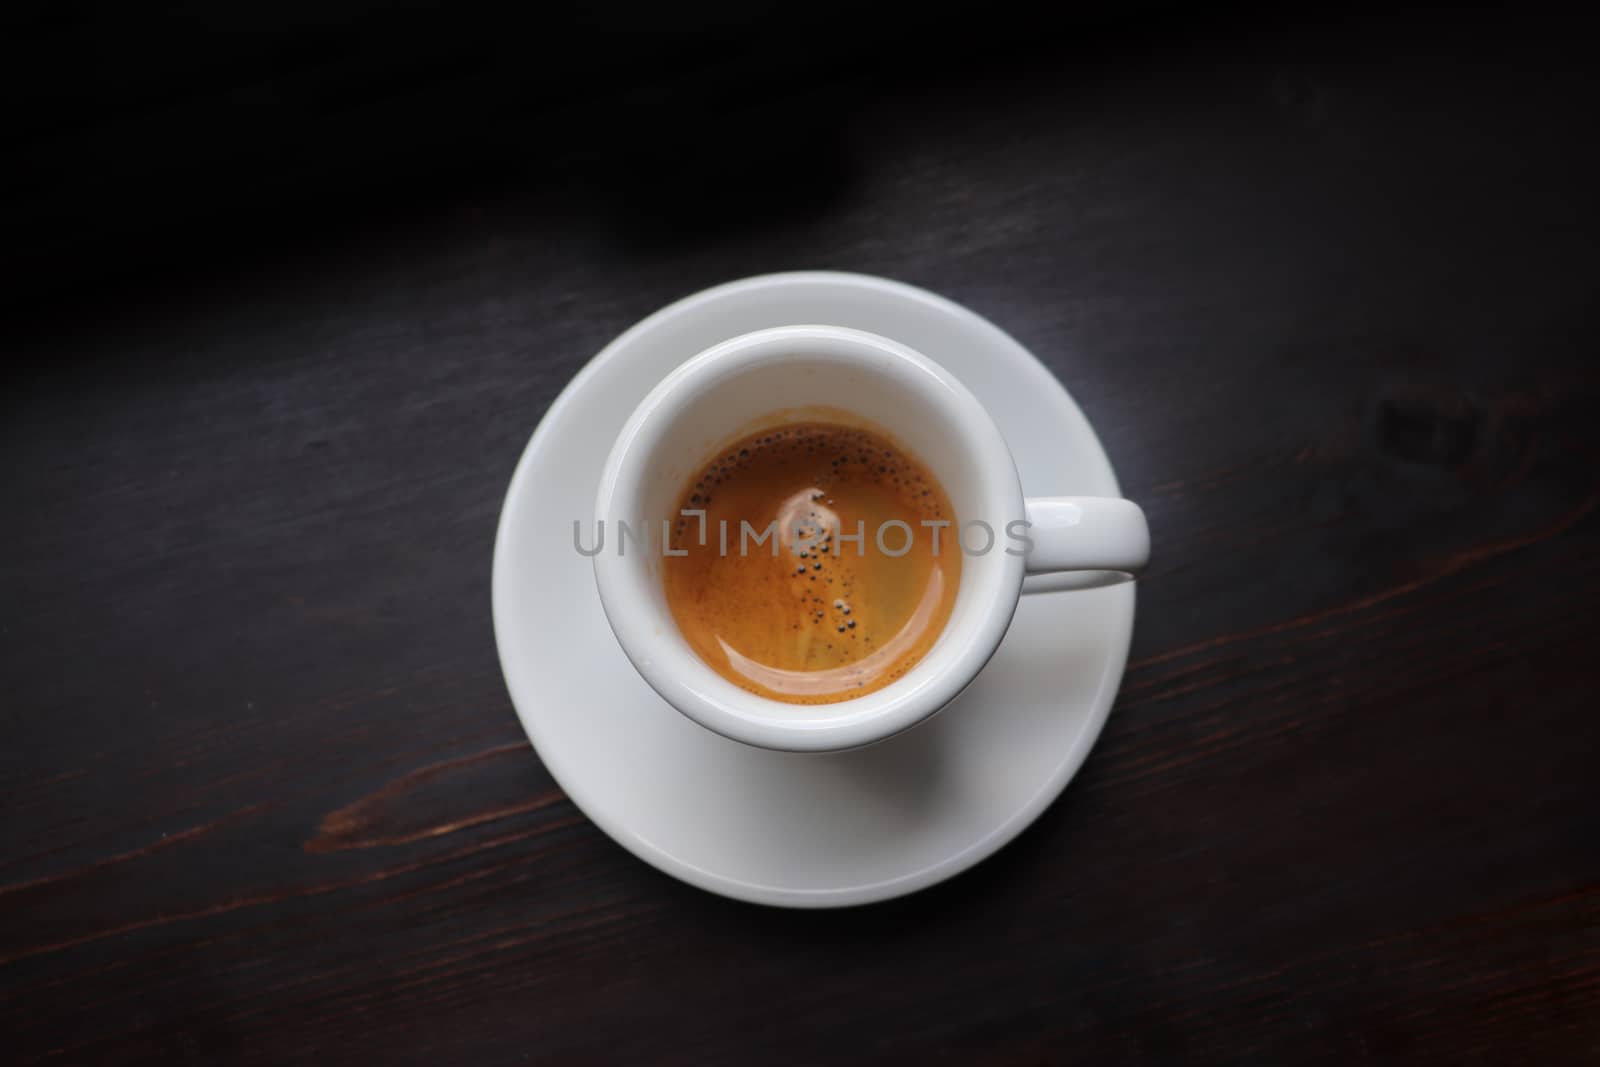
(687, 682)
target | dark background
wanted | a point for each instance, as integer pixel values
(287, 287)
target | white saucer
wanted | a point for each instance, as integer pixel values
(779, 828)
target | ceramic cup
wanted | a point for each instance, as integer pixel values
(723, 391)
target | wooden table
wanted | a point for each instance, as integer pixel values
(1329, 299)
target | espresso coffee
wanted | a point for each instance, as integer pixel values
(825, 565)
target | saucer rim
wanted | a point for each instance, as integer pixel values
(1120, 622)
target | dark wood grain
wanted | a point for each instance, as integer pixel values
(1327, 293)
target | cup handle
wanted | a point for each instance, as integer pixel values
(1082, 542)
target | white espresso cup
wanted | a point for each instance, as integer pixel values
(715, 396)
